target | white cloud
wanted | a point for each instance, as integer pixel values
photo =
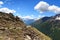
(54, 8)
(39, 16)
(26, 17)
(31, 17)
(1, 3)
(44, 6)
(7, 10)
(41, 6)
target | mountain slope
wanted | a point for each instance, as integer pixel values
(13, 28)
(50, 27)
(40, 21)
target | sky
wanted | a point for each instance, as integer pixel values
(31, 9)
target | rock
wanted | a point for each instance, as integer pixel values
(13, 28)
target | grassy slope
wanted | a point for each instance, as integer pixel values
(40, 34)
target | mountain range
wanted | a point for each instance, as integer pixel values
(49, 26)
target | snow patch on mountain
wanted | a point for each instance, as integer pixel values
(57, 18)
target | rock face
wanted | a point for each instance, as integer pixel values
(13, 28)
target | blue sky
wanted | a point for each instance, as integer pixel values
(25, 8)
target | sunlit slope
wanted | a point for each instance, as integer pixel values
(39, 34)
(13, 28)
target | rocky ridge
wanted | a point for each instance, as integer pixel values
(13, 28)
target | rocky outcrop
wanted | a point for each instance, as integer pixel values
(13, 28)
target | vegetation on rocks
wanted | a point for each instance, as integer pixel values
(13, 28)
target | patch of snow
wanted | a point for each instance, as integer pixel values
(57, 18)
